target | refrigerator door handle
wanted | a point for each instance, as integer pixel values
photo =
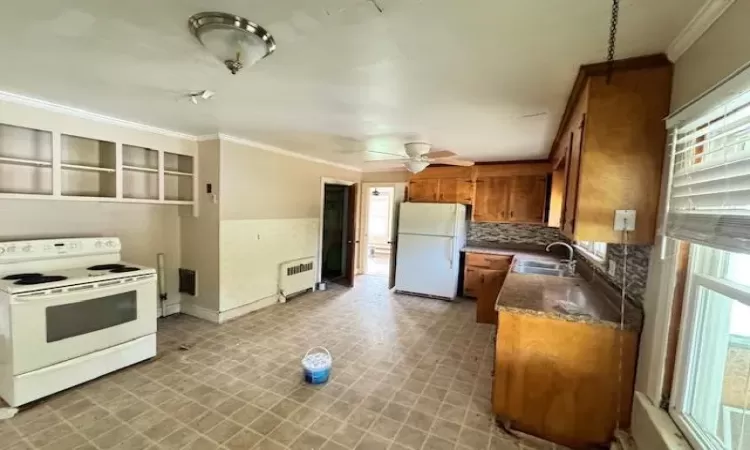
(453, 248)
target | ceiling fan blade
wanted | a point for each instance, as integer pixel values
(440, 154)
(452, 161)
(400, 155)
(389, 161)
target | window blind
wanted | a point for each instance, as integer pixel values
(709, 187)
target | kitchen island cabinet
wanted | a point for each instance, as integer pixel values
(564, 371)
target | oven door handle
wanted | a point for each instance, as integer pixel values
(81, 292)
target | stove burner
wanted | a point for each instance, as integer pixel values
(124, 269)
(21, 276)
(40, 279)
(106, 267)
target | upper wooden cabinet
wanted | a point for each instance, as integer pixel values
(511, 192)
(610, 146)
(456, 190)
(443, 185)
(491, 199)
(425, 190)
(527, 199)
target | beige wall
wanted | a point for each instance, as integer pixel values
(200, 235)
(723, 49)
(270, 214)
(399, 176)
(144, 230)
(259, 184)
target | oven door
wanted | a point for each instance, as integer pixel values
(51, 328)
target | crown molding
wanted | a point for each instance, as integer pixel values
(207, 137)
(83, 114)
(281, 151)
(699, 24)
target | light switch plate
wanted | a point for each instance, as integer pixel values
(625, 220)
(612, 269)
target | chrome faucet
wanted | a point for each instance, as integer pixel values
(571, 261)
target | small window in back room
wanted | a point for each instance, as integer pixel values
(595, 250)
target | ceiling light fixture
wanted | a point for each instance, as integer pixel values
(417, 149)
(416, 166)
(236, 41)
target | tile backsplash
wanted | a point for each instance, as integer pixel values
(494, 234)
(637, 269)
(511, 233)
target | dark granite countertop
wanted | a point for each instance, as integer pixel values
(570, 299)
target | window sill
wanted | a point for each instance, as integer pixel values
(592, 258)
(653, 429)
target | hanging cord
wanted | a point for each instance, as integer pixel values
(615, 18)
(622, 324)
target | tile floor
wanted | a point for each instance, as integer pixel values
(379, 264)
(409, 373)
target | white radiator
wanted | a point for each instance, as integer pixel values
(296, 276)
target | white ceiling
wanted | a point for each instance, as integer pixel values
(487, 79)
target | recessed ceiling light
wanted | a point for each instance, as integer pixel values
(236, 41)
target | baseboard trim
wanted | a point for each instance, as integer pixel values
(248, 308)
(200, 312)
(168, 310)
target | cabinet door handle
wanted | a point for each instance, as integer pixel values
(511, 214)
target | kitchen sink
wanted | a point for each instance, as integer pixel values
(540, 264)
(554, 271)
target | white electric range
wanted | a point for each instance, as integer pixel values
(70, 311)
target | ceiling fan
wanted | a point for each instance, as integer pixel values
(421, 154)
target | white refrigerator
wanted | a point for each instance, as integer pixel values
(430, 238)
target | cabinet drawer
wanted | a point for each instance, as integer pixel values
(495, 262)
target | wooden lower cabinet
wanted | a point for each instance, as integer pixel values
(558, 380)
(492, 282)
(483, 278)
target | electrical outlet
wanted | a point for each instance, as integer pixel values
(625, 220)
(612, 269)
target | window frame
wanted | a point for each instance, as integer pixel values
(702, 259)
(587, 248)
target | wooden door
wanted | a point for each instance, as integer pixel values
(528, 198)
(491, 281)
(351, 234)
(491, 199)
(456, 190)
(398, 198)
(424, 190)
(574, 166)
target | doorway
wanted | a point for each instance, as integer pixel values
(338, 232)
(380, 229)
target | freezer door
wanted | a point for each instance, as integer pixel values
(427, 265)
(434, 219)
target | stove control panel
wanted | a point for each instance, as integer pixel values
(52, 248)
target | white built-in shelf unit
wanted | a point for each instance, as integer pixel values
(42, 164)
